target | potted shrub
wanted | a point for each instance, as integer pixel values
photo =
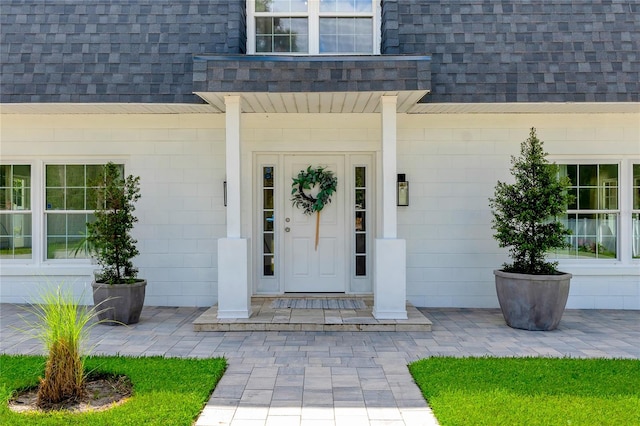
(116, 287)
(532, 293)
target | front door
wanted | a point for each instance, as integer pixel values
(308, 268)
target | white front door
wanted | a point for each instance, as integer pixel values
(307, 268)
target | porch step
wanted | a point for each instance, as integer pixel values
(266, 317)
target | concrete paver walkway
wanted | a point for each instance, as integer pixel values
(335, 378)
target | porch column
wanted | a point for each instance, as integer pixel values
(390, 266)
(234, 296)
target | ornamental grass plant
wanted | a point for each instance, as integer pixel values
(62, 325)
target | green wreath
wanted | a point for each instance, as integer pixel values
(307, 180)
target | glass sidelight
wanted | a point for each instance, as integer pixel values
(360, 217)
(268, 217)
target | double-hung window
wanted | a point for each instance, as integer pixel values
(15, 211)
(312, 27)
(70, 200)
(594, 214)
(635, 213)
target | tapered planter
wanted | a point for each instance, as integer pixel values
(119, 303)
(532, 302)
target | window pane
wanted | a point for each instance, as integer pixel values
(264, 44)
(360, 221)
(635, 240)
(361, 243)
(75, 175)
(268, 243)
(282, 34)
(361, 266)
(55, 199)
(56, 224)
(15, 236)
(268, 199)
(268, 266)
(573, 204)
(75, 199)
(5, 176)
(588, 175)
(264, 26)
(5, 199)
(363, 44)
(267, 181)
(268, 221)
(55, 176)
(588, 199)
(608, 174)
(345, 35)
(360, 177)
(360, 199)
(570, 171)
(346, 6)
(15, 187)
(262, 5)
(636, 186)
(593, 236)
(95, 174)
(280, 6)
(282, 43)
(77, 225)
(56, 248)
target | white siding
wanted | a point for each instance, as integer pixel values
(180, 160)
(451, 161)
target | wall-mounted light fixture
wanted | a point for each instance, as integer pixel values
(224, 187)
(403, 190)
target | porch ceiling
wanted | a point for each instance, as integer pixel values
(314, 102)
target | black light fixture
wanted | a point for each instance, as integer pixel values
(403, 190)
(224, 187)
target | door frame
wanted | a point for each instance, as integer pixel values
(266, 285)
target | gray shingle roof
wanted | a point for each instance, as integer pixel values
(111, 50)
(242, 73)
(481, 50)
(522, 50)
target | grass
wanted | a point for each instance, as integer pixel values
(166, 391)
(530, 391)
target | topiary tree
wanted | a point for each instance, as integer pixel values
(110, 234)
(525, 212)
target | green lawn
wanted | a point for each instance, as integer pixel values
(166, 391)
(530, 391)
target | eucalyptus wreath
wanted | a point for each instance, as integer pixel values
(307, 180)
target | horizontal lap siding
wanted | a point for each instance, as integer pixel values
(180, 161)
(453, 162)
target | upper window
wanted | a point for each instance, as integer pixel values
(594, 215)
(312, 26)
(15, 211)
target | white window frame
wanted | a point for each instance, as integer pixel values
(634, 183)
(313, 15)
(597, 211)
(44, 212)
(32, 210)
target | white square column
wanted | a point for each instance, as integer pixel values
(390, 265)
(234, 294)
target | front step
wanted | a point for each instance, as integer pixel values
(318, 315)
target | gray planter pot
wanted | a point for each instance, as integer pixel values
(119, 303)
(532, 302)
